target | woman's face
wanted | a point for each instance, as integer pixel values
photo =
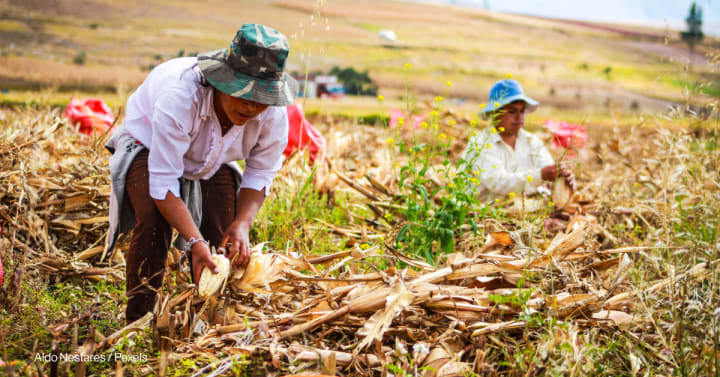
(511, 117)
(238, 110)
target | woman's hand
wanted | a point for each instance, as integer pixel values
(201, 258)
(177, 215)
(237, 240)
(550, 172)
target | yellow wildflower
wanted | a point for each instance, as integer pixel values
(494, 130)
(497, 200)
(476, 172)
(488, 146)
(438, 98)
(495, 166)
(496, 104)
(482, 105)
(364, 246)
(424, 125)
(448, 83)
(529, 178)
(473, 123)
(442, 136)
(512, 194)
(408, 65)
(434, 113)
(501, 128)
(483, 170)
(401, 121)
(380, 98)
(509, 75)
(390, 141)
(435, 126)
(451, 122)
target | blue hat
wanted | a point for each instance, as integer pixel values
(504, 92)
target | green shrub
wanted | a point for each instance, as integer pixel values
(355, 82)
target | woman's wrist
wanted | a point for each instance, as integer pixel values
(243, 222)
(192, 242)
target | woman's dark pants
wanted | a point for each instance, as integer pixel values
(151, 237)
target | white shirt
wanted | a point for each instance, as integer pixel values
(173, 116)
(502, 169)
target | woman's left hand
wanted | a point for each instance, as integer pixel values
(237, 240)
(569, 176)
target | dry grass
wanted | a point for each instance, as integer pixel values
(41, 73)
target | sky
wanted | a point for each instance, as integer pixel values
(658, 13)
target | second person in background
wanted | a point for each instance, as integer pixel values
(505, 156)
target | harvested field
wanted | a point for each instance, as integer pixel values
(375, 263)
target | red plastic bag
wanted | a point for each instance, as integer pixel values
(91, 114)
(302, 134)
(567, 135)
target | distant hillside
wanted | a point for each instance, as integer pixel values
(453, 52)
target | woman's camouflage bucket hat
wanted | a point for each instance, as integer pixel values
(252, 68)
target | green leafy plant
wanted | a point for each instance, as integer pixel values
(434, 211)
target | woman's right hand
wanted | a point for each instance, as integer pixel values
(177, 215)
(201, 258)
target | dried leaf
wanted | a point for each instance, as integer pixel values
(398, 299)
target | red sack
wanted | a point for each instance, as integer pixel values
(302, 134)
(567, 135)
(91, 114)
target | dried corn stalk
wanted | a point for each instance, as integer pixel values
(398, 300)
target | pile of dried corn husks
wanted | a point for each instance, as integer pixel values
(439, 317)
(54, 190)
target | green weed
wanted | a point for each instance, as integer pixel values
(289, 218)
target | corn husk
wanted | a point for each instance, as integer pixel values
(209, 282)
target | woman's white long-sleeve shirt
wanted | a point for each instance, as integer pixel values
(172, 115)
(502, 169)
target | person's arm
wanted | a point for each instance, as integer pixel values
(177, 215)
(172, 120)
(249, 202)
(495, 176)
(264, 161)
(501, 181)
(550, 170)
